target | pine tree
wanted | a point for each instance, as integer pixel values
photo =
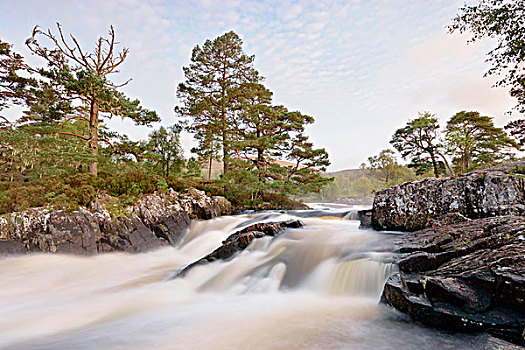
(210, 93)
(502, 20)
(84, 91)
(165, 150)
(13, 85)
(420, 141)
(474, 141)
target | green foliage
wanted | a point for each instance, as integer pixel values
(76, 86)
(13, 85)
(361, 184)
(210, 93)
(516, 129)
(165, 152)
(46, 155)
(264, 149)
(420, 142)
(36, 151)
(475, 142)
(384, 166)
(503, 20)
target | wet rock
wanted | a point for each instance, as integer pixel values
(365, 218)
(154, 221)
(488, 342)
(240, 240)
(468, 276)
(486, 193)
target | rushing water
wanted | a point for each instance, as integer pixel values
(316, 287)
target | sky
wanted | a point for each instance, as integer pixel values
(361, 68)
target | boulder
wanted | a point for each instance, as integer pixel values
(468, 276)
(486, 193)
(239, 240)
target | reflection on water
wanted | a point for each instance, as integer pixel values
(316, 287)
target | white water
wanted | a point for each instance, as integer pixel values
(316, 287)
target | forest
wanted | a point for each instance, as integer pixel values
(60, 152)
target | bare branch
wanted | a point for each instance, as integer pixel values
(111, 44)
(115, 148)
(73, 134)
(71, 118)
(116, 86)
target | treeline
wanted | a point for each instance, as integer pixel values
(60, 151)
(471, 141)
(359, 185)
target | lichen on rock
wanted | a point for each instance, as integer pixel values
(153, 221)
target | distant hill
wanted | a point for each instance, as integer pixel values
(351, 173)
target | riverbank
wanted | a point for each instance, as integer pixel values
(463, 266)
(155, 220)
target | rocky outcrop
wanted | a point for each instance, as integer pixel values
(239, 240)
(155, 220)
(486, 193)
(464, 276)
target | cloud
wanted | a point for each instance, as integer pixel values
(361, 68)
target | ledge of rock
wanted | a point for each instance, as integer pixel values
(465, 276)
(486, 193)
(154, 221)
(239, 240)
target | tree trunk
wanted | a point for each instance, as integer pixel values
(93, 141)
(209, 167)
(225, 156)
(434, 164)
(447, 164)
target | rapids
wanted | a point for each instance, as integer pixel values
(316, 287)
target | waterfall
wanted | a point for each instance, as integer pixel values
(314, 287)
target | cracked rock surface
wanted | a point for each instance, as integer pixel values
(155, 220)
(466, 276)
(414, 205)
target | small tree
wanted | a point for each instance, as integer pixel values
(384, 166)
(81, 79)
(474, 141)
(503, 20)
(420, 142)
(165, 150)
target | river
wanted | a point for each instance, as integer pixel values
(315, 287)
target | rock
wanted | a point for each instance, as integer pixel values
(486, 193)
(468, 276)
(12, 247)
(487, 342)
(154, 221)
(365, 217)
(238, 241)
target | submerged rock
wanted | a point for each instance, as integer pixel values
(486, 193)
(154, 221)
(240, 240)
(468, 276)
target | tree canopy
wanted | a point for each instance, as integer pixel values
(503, 20)
(210, 93)
(420, 142)
(231, 112)
(81, 87)
(51, 154)
(474, 141)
